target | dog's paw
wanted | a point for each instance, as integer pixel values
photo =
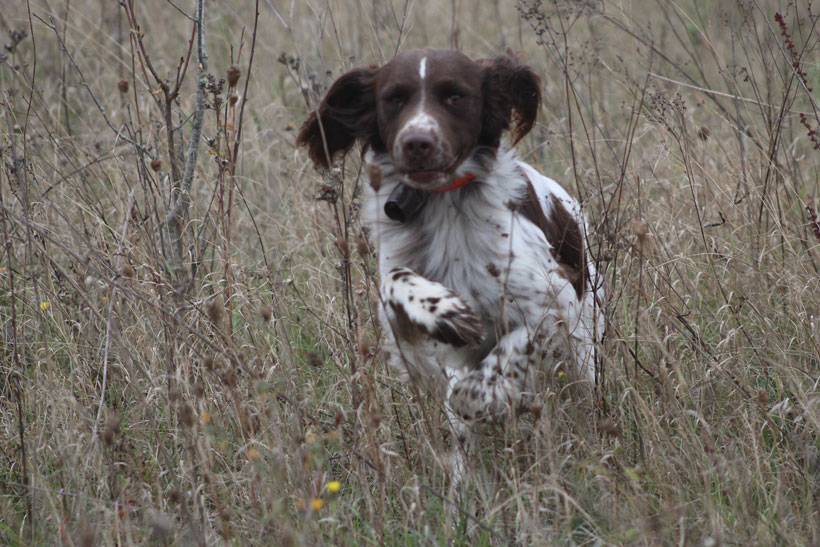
(483, 396)
(417, 303)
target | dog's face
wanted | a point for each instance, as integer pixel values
(428, 110)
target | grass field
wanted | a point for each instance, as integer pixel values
(203, 367)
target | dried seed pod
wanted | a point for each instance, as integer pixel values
(112, 429)
(374, 174)
(174, 496)
(266, 312)
(362, 248)
(365, 348)
(122, 85)
(536, 410)
(641, 231)
(156, 165)
(341, 244)
(228, 378)
(186, 416)
(609, 428)
(314, 359)
(233, 75)
(215, 309)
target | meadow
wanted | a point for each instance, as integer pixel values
(189, 351)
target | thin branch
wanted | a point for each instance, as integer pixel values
(181, 11)
(732, 96)
(181, 77)
(168, 94)
(26, 212)
(180, 207)
(738, 132)
(111, 294)
(245, 91)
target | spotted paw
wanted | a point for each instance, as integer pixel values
(474, 400)
(415, 303)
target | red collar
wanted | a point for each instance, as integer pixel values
(458, 183)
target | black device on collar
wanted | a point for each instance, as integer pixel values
(404, 203)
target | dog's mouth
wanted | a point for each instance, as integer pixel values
(427, 177)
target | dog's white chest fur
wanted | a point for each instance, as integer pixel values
(478, 245)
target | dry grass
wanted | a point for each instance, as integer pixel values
(212, 396)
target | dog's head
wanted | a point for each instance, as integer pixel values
(428, 110)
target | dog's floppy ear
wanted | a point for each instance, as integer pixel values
(347, 113)
(512, 95)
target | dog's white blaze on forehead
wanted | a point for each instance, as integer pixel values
(421, 120)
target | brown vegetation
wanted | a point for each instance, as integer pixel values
(188, 352)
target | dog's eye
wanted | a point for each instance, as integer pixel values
(453, 97)
(395, 99)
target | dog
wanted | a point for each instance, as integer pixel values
(487, 287)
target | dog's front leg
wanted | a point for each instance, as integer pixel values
(422, 315)
(416, 306)
(501, 385)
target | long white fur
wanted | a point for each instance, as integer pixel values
(460, 238)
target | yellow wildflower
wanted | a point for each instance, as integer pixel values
(45, 305)
(317, 504)
(334, 486)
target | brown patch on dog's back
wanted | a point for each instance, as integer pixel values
(563, 234)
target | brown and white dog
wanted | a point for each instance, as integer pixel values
(486, 285)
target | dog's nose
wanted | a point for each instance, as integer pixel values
(417, 147)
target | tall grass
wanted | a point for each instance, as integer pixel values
(211, 391)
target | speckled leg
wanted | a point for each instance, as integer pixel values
(417, 306)
(462, 434)
(501, 383)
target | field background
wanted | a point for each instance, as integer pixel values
(219, 390)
